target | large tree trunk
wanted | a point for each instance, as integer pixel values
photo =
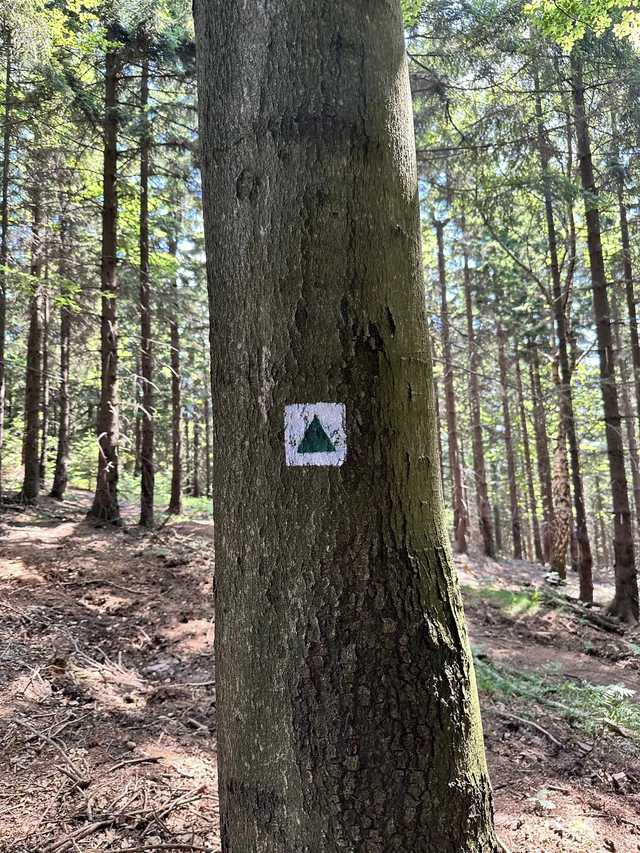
(479, 467)
(33, 378)
(516, 519)
(627, 409)
(146, 355)
(346, 705)
(175, 501)
(629, 289)
(4, 231)
(105, 502)
(61, 473)
(542, 450)
(533, 506)
(460, 518)
(625, 603)
(585, 560)
(45, 385)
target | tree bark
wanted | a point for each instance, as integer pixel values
(45, 389)
(4, 231)
(629, 289)
(147, 471)
(175, 501)
(542, 450)
(564, 386)
(625, 602)
(516, 520)
(533, 505)
(33, 379)
(359, 729)
(207, 445)
(604, 535)
(196, 490)
(61, 474)
(105, 502)
(460, 518)
(627, 409)
(479, 467)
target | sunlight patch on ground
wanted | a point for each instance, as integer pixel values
(111, 685)
(194, 636)
(12, 570)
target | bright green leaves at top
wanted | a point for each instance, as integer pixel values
(411, 11)
(568, 22)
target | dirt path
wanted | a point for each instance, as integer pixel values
(106, 692)
(107, 727)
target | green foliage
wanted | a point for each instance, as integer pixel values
(570, 22)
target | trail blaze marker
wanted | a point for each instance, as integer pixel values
(315, 434)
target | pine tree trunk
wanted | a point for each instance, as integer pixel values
(359, 729)
(627, 409)
(562, 520)
(61, 473)
(196, 490)
(4, 231)
(45, 391)
(147, 480)
(479, 467)
(604, 535)
(175, 501)
(207, 445)
(460, 519)
(187, 456)
(105, 502)
(533, 506)
(33, 379)
(436, 395)
(625, 603)
(585, 559)
(542, 451)
(516, 520)
(497, 518)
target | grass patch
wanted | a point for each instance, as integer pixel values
(513, 603)
(590, 707)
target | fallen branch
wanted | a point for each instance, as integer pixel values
(528, 723)
(78, 777)
(105, 582)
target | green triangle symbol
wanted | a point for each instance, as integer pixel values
(315, 439)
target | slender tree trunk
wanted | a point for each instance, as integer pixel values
(4, 230)
(361, 732)
(105, 502)
(533, 507)
(61, 474)
(516, 520)
(562, 520)
(479, 467)
(146, 353)
(564, 386)
(436, 395)
(45, 390)
(542, 450)
(196, 490)
(207, 444)
(497, 519)
(137, 429)
(33, 380)
(187, 457)
(600, 515)
(175, 502)
(627, 409)
(625, 603)
(460, 518)
(627, 269)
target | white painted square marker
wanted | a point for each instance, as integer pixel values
(315, 434)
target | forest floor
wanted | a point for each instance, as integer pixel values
(107, 703)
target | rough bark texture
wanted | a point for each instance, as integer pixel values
(585, 559)
(542, 451)
(61, 473)
(479, 466)
(347, 712)
(45, 389)
(147, 471)
(516, 519)
(627, 410)
(33, 378)
(533, 504)
(175, 501)
(105, 502)
(4, 231)
(562, 519)
(460, 517)
(625, 603)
